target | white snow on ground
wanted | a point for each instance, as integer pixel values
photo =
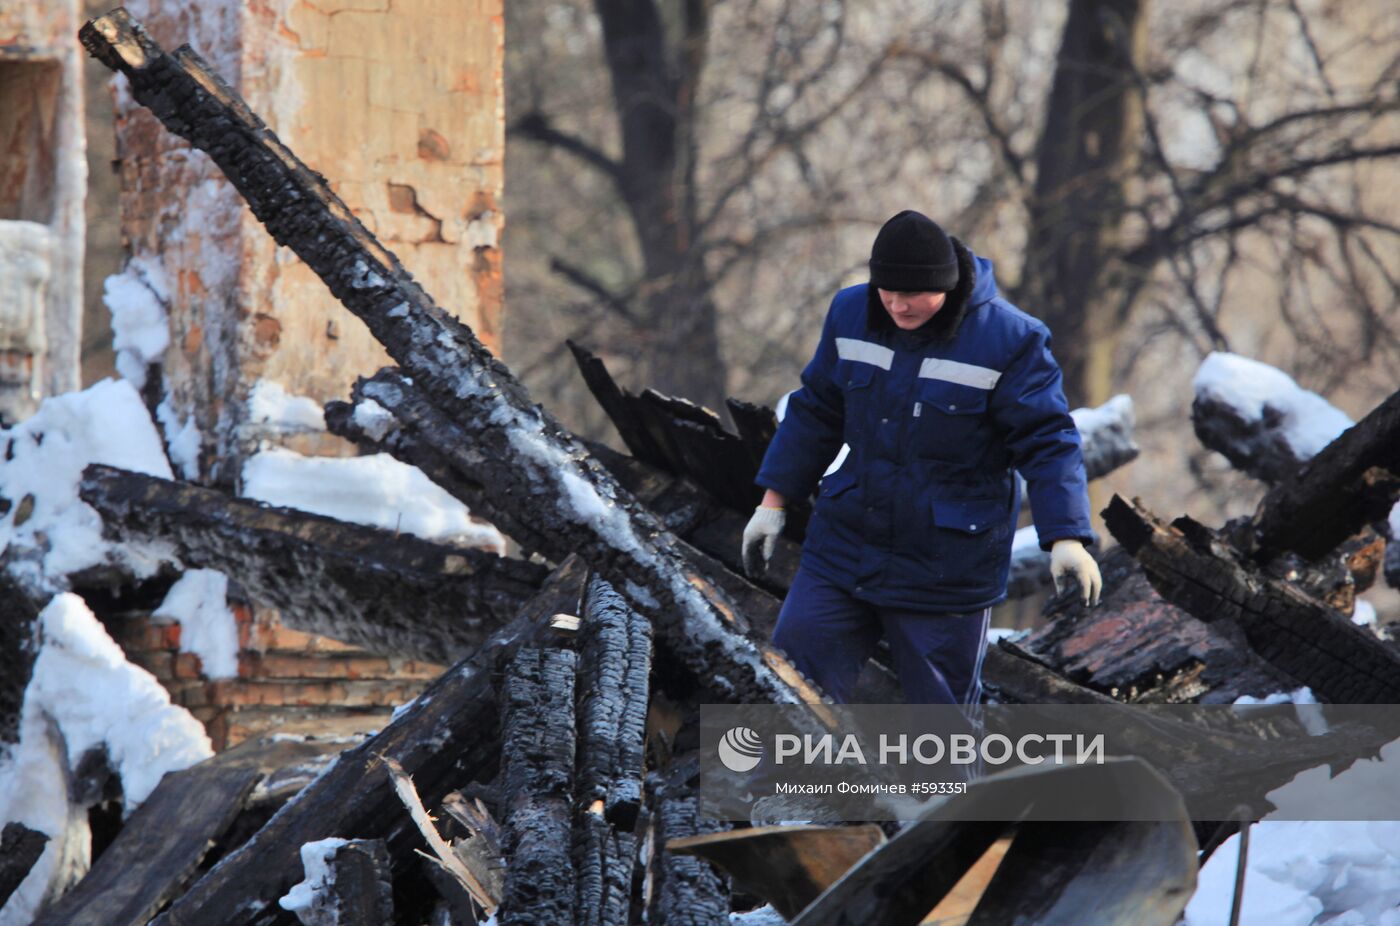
(1308, 421)
(137, 298)
(85, 695)
(1365, 613)
(375, 490)
(272, 408)
(307, 898)
(761, 916)
(207, 627)
(43, 458)
(1006, 633)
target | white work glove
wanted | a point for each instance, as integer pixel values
(1070, 557)
(760, 537)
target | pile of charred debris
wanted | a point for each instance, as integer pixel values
(550, 776)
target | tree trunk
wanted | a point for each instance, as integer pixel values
(1086, 154)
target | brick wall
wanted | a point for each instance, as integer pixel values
(286, 679)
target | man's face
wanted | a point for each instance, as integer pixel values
(910, 310)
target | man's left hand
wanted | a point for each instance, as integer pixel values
(1068, 557)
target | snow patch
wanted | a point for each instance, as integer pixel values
(1306, 421)
(47, 531)
(375, 490)
(199, 602)
(84, 695)
(137, 298)
(1364, 614)
(308, 898)
(374, 419)
(273, 408)
(181, 440)
(1114, 413)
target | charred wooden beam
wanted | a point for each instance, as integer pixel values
(685, 890)
(535, 470)
(1191, 567)
(385, 591)
(613, 693)
(1137, 646)
(152, 861)
(612, 712)
(693, 642)
(20, 848)
(788, 866)
(1352, 482)
(447, 737)
(537, 775)
(18, 647)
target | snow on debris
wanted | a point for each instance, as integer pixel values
(137, 298)
(1117, 412)
(375, 490)
(308, 898)
(1341, 872)
(47, 532)
(182, 439)
(374, 419)
(84, 695)
(272, 408)
(199, 602)
(1307, 421)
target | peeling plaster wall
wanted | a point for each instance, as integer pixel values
(399, 104)
(51, 171)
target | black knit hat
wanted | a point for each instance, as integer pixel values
(913, 255)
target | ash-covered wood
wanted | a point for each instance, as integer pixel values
(159, 848)
(448, 736)
(685, 890)
(537, 776)
(1258, 446)
(20, 848)
(388, 592)
(613, 692)
(1301, 637)
(534, 469)
(18, 647)
(613, 695)
(1352, 482)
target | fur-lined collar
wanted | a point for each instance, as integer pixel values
(943, 326)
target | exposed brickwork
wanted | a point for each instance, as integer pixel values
(284, 676)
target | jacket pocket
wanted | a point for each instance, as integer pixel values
(950, 421)
(971, 515)
(835, 484)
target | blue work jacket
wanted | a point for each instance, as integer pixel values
(922, 512)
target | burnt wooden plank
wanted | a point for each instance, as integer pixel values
(386, 591)
(1111, 873)
(537, 776)
(537, 475)
(20, 848)
(357, 889)
(18, 647)
(1300, 636)
(686, 891)
(1350, 483)
(616, 403)
(788, 866)
(756, 425)
(448, 736)
(159, 849)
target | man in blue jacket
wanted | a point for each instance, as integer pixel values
(941, 388)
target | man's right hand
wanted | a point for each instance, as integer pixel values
(760, 538)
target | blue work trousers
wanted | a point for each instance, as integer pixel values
(829, 635)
